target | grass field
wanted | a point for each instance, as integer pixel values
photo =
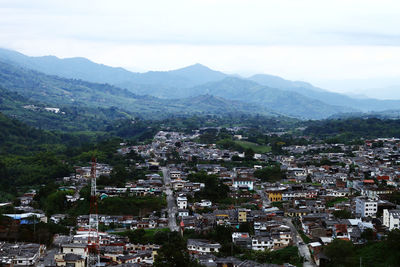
(255, 147)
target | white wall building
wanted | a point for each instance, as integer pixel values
(181, 201)
(366, 207)
(391, 219)
(262, 243)
(199, 246)
(243, 183)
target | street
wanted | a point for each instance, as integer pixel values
(172, 208)
(303, 248)
(264, 198)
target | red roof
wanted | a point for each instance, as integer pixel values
(342, 228)
(369, 181)
(383, 177)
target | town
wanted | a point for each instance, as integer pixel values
(222, 207)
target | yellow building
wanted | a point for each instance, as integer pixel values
(242, 216)
(274, 195)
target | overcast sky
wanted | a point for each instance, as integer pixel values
(323, 42)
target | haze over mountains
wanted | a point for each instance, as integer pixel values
(194, 89)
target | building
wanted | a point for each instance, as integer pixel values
(200, 246)
(181, 202)
(391, 219)
(274, 195)
(243, 183)
(20, 254)
(262, 243)
(69, 259)
(242, 240)
(242, 215)
(366, 207)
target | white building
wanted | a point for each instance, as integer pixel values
(175, 174)
(366, 207)
(205, 203)
(200, 246)
(181, 201)
(262, 243)
(183, 213)
(243, 183)
(391, 219)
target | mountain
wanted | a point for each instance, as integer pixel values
(294, 98)
(282, 101)
(219, 105)
(280, 83)
(81, 100)
(156, 83)
(69, 117)
(331, 98)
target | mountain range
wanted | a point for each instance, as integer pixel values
(195, 89)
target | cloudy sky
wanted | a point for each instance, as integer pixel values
(340, 45)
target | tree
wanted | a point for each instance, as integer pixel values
(173, 253)
(368, 234)
(340, 253)
(271, 173)
(342, 214)
(249, 154)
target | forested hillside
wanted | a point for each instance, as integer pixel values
(348, 129)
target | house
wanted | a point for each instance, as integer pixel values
(175, 174)
(204, 203)
(340, 232)
(242, 240)
(69, 259)
(391, 219)
(20, 254)
(56, 218)
(243, 183)
(242, 215)
(274, 195)
(262, 243)
(201, 246)
(297, 212)
(181, 202)
(74, 248)
(183, 213)
(366, 207)
(178, 184)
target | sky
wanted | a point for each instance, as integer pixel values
(346, 46)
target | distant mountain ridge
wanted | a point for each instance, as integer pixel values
(140, 83)
(267, 92)
(54, 91)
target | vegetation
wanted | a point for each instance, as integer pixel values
(213, 190)
(35, 232)
(173, 252)
(336, 200)
(271, 173)
(147, 236)
(286, 255)
(383, 253)
(342, 214)
(348, 130)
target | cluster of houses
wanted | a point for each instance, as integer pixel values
(330, 191)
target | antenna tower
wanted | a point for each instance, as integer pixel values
(93, 237)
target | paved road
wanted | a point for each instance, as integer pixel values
(303, 248)
(264, 198)
(172, 209)
(48, 258)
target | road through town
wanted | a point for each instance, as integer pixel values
(172, 209)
